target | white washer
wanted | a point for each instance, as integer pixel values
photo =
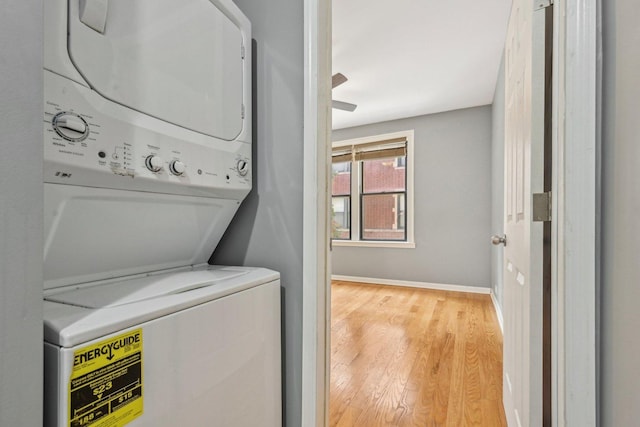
(147, 157)
(209, 351)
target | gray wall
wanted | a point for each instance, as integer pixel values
(620, 285)
(21, 213)
(497, 183)
(452, 203)
(267, 230)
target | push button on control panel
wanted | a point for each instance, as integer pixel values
(70, 126)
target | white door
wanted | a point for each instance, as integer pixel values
(524, 162)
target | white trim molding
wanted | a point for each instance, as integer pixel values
(374, 244)
(315, 258)
(575, 213)
(411, 284)
(498, 309)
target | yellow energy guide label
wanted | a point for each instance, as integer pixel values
(105, 389)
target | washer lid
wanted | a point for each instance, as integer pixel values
(130, 291)
(178, 61)
(67, 323)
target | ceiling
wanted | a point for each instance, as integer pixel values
(407, 58)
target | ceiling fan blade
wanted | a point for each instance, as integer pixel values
(337, 79)
(343, 105)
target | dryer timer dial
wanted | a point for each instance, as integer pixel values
(243, 167)
(154, 163)
(177, 167)
(70, 126)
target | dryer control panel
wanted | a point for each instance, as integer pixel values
(91, 141)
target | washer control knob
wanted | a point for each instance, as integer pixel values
(243, 167)
(177, 167)
(70, 126)
(154, 163)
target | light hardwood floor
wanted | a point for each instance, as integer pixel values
(414, 357)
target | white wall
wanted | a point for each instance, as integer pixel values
(21, 213)
(497, 183)
(452, 203)
(267, 230)
(620, 281)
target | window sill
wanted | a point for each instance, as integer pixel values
(374, 244)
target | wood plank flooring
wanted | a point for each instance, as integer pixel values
(413, 357)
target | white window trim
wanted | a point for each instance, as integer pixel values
(355, 201)
(375, 244)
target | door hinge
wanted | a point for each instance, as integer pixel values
(542, 4)
(242, 53)
(542, 206)
(242, 111)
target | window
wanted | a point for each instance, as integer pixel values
(341, 200)
(372, 191)
(383, 190)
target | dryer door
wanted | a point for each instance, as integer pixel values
(178, 61)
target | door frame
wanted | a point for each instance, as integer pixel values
(575, 212)
(316, 266)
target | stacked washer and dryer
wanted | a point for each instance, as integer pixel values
(147, 150)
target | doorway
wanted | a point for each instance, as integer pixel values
(445, 142)
(562, 371)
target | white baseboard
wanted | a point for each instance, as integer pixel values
(496, 306)
(405, 283)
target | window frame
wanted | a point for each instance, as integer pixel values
(357, 193)
(348, 196)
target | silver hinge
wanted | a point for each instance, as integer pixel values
(242, 53)
(242, 111)
(542, 206)
(542, 4)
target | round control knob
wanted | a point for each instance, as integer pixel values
(177, 167)
(154, 163)
(70, 126)
(243, 167)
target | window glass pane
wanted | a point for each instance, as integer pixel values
(383, 175)
(341, 179)
(383, 217)
(400, 211)
(341, 218)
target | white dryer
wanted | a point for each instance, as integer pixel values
(147, 157)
